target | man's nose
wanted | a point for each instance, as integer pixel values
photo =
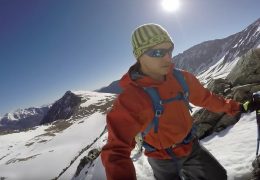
(168, 57)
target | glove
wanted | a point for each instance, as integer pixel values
(247, 107)
(250, 106)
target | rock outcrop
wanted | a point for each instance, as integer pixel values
(64, 108)
(256, 169)
(87, 160)
(243, 80)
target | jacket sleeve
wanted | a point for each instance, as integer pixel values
(122, 128)
(202, 97)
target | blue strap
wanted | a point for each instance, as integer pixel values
(176, 98)
(158, 109)
(180, 78)
(158, 105)
(191, 136)
(148, 147)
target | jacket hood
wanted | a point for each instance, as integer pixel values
(135, 77)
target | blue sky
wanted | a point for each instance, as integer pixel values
(50, 46)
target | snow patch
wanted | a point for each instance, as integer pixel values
(50, 154)
(93, 97)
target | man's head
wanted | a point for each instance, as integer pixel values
(152, 47)
(148, 35)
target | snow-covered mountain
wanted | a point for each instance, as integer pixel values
(64, 108)
(46, 151)
(68, 105)
(23, 118)
(200, 57)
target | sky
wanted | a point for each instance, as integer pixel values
(50, 46)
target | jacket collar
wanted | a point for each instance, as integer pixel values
(135, 77)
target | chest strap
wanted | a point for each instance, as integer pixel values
(158, 103)
(189, 138)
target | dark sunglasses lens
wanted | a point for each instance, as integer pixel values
(159, 52)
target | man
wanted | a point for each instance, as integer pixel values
(170, 158)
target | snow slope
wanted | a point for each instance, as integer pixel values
(234, 147)
(42, 154)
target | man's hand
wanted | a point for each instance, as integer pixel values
(247, 107)
(252, 104)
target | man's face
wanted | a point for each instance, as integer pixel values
(152, 64)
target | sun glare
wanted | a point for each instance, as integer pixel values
(171, 5)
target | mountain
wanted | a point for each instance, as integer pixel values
(200, 57)
(212, 56)
(111, 88)
(22, 118)
(54, 149)
(63, 108)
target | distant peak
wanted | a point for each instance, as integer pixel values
(69, 93)
(257, 22)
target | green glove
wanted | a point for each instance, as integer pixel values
(248, 106)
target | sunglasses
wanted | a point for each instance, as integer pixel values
(158, 53)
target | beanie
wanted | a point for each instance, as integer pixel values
(147, 36)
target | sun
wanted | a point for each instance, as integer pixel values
(171, 5)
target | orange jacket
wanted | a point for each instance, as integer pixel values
(133, 111)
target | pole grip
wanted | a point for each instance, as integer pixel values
(256, 102)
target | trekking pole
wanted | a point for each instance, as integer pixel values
(256, 100)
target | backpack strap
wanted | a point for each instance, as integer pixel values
(157, 107)
(180, 78)
(158, 104)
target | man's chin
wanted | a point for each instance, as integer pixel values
(167, 70)
(164, 72)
